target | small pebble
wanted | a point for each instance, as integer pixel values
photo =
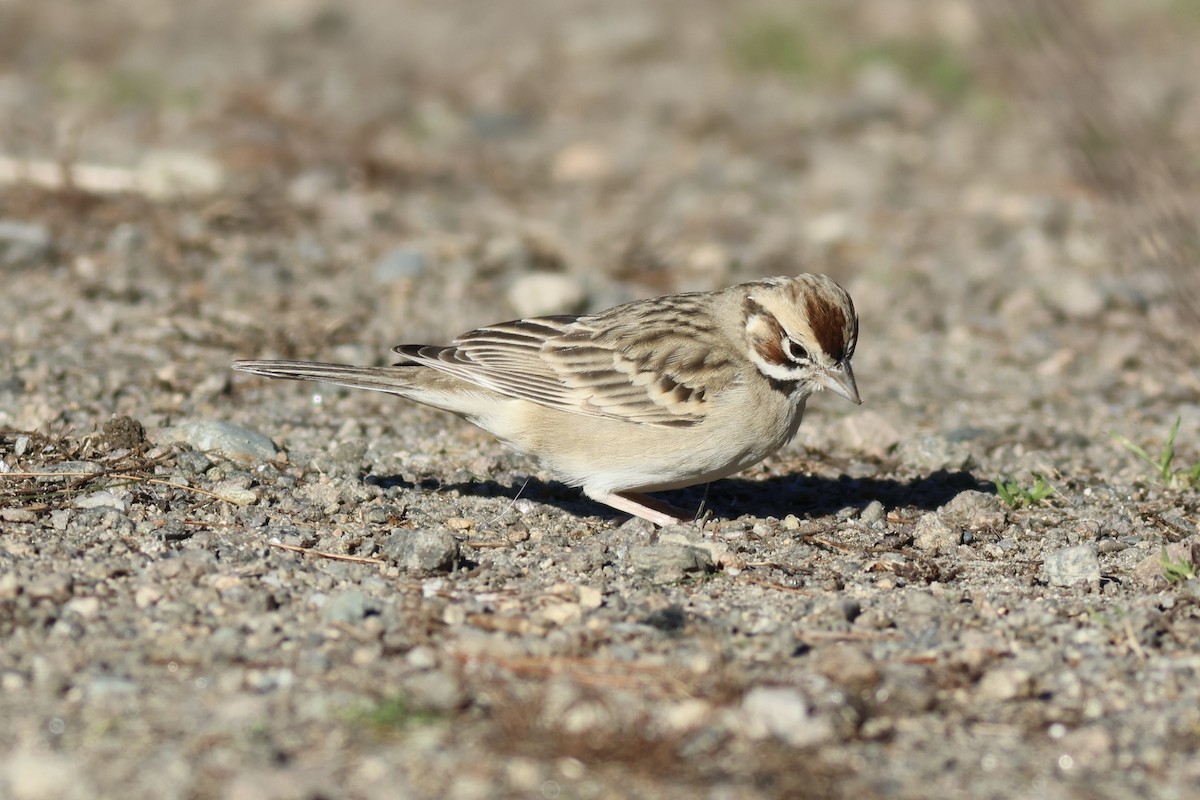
(1154, 568)
(224, 439)
(846, 665)
(23, 243)
(1076, 295)
(434, 690)
(782, 712)
(668, 562)
(1004, 683)
(236, 495)
(346, 607)
(931, 453)
(421, 550)
(1073, 565)
(931, 533)
(905, 689)
(974, 509)
(874, 512)
(545, 293)
(870, 433)
(101, 499)
(401, 263)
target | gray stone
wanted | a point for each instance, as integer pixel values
(111, 686)
(1007, 682)
(782, 712)
(847, 665)
(421, 550)
(546, 293)
(193, 462)
(435, 690)
(869, 432)
(422, 657)
(1076, 295)
(874, 512)
(226, 643)
(347, 607)
(71, 469)
(235, 494)
(931, 533)
(101, 499)
(1190, 588)
(975, 510)
(17, 515)
(669, 562)
(930, 453)
(125, 241)
(719, 553)
(23, 243)
(188, 567)
(970, 503)
(1152, 571)
(224, 439)
(401, 263)
(1073, 565)
(905, 689)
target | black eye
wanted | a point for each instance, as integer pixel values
(795, 351)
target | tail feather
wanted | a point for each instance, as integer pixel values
(378, 379)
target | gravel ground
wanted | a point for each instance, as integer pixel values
(215, 586)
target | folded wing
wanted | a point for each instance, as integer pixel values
(656, 364)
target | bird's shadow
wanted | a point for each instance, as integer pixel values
(778, 496)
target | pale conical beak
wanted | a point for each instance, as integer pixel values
(841, 380)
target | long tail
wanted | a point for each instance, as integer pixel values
(378, 379)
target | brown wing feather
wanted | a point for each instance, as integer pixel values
(647, 362)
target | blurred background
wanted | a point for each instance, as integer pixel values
(319, 179)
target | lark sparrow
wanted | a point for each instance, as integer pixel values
(647, 396)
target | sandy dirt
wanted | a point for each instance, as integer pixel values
(218, 586)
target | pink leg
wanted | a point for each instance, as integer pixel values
(644, 506)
